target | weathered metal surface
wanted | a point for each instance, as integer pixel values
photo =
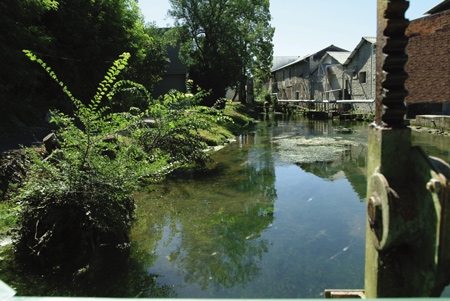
(408, 220)
(390, 61)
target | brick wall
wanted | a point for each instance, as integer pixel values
(428, 63)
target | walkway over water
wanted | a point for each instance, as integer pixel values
(370, 101)
(327, 101)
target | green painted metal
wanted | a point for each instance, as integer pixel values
(408, 219)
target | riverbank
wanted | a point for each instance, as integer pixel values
(14, 159)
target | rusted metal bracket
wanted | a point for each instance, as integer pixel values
(344, 294)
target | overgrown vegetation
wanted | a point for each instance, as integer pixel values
(76, 202)
(79, 39)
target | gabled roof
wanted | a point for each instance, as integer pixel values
(316, 56)
(444, 5)
(291, 63)
(340, 57)
(279, 61)
(370, 40)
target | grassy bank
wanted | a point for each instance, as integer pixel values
(12, 168)
(223, 131)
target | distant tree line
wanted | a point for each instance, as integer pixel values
(222, 42)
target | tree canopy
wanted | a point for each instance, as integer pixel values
(79, 39)
(224, 42)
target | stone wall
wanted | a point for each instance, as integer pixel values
(362, 62)
(440, 122)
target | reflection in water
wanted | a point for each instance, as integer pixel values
(213, 226)
(111, 276)
(254, 225)
(257, 226)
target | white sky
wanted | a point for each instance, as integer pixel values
(306, 26)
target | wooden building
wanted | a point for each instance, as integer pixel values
(332, 74)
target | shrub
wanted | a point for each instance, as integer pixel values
(77, 201)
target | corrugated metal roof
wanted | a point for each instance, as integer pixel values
(370, 40)
(291, 63)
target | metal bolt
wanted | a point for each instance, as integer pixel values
(434, 186)
(372, 204)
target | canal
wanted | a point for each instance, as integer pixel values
(280, 213)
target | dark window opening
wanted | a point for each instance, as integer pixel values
(363, 77)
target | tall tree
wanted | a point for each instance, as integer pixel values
(224, 41)
(20, 28)
(89, 34)
(79, 39)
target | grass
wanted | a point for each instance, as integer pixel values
(222, 132)
(8, 217)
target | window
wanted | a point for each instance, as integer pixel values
(297, 95)
(362, 77)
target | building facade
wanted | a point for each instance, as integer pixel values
(428, 65)
(294, 80)
(328, 77)
(360, 75)
(360, 70)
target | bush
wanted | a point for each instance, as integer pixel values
(77, 202)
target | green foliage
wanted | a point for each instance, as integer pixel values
(79, 39)
(20, 27)
(77, 201)
(216, 32)
(89, 35)
(263, 95)
(8, 217)
(178, 126)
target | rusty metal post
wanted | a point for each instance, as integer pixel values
(408, 223)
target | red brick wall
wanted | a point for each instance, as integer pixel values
(428, 63)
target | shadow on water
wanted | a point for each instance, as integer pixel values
(117, 275)
(280, 213)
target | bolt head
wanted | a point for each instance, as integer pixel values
(434, 186)
(372, 204)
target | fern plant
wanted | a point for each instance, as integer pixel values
(77, 201)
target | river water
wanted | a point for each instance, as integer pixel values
(280, 213)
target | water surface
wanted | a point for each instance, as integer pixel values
(280, 213)
(259, 224)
